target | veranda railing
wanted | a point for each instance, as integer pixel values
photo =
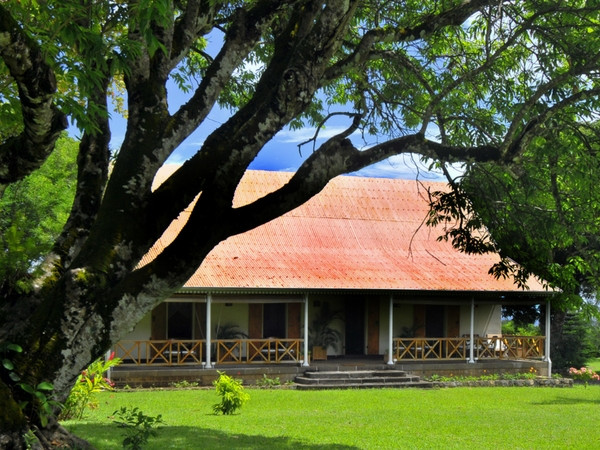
(494, 347)
(174, 352)
(169, 352)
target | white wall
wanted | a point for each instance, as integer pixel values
(488, 319)
(141, 332)
(234, 314)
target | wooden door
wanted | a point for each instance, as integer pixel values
(373, 327)
(294, 314)
(159, 322)
(419, 320)
(255, 320)
(453, 321)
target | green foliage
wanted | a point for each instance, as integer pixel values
(32, 214)
(6, 348)
(88, 384)
(41, 403)
(573, 346)
(184, 384)
(510, 328)
(543, 213)
(584, 374)
(267, 382)
(137, 426)
(232, 394)
(532, 374)
(321, 331)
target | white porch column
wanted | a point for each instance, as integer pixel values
(208, 363)
(390, 360)
(547, 343)
(471, 332)
(305, 363)
(109, 371)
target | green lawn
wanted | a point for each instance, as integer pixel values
(464, 418)
(594, 364)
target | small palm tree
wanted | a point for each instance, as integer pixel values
(321, 333)
(229, 331)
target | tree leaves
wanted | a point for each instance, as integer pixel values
(32, 213)
(543, 212)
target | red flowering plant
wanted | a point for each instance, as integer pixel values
(584, 374)
(91, 381)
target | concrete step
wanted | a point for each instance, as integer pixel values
(367, 380)
(322, 387)
(356, 374)
(358, 379)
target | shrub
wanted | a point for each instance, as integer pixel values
(532, 374)
(267, 382)
(584, 374)
(138, 427)
(232, 394)
(184, 384)
(91, 381)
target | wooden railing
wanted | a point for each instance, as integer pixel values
(160, 352)
(493, 347)
(275, 351)
(224, 351)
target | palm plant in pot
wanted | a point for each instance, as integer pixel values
(228, 333)
(322, 335)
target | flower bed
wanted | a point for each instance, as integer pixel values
(541, 381)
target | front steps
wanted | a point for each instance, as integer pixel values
(358, 379)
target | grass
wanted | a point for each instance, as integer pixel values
(594, 364)
(460, 418)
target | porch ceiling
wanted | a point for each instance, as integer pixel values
(358, 234)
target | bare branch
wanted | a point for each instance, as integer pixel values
(321, 124)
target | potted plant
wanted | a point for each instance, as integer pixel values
(229, 331)
(321, 334)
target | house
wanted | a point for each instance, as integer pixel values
(360, 257)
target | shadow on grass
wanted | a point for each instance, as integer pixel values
(569, 401)
(106, 436)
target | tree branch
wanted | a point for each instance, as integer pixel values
(92, 163)
(196, 20)
(42, 121)
(429, 25)
(336, 157)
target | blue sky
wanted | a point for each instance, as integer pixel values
(282, 153)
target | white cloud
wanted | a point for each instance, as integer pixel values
(304, 134)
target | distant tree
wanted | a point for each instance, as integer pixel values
(32, 215)
(571, 341)
(521, 317)
(450, 80)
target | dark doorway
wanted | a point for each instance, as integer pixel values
(355, 326)
(434, 321)
(274, 320)
(179, 320)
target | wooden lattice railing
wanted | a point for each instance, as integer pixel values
(225, 351)
(160, 352)
(275, 351)
(497, 347)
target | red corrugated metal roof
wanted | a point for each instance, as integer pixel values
(359, 233)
